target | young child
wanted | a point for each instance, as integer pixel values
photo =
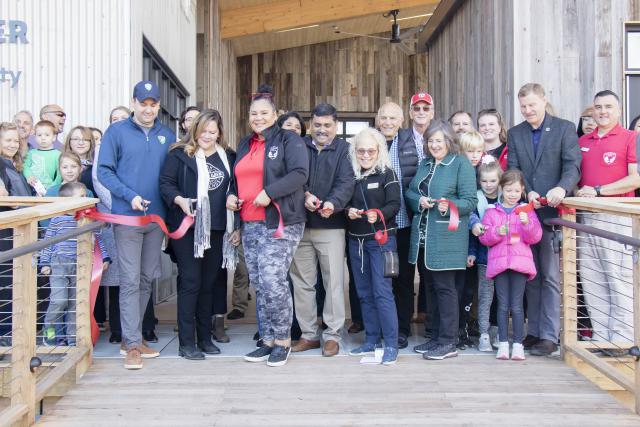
(472, 144)
(41, 164)
(59, 262)
(489, 175)
(69, 169)
(509, 234)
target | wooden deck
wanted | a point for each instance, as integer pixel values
(468, 390)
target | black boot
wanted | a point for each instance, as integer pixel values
(218, 333)
(208, 347)
(190, 352)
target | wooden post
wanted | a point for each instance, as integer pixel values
(569, 335)
(636, 308)
(83, 298)
(23, 381)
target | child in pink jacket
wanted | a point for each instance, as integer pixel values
(509, 233)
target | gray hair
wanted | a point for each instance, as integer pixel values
(383, 162)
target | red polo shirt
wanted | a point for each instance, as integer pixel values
(249, 175)
(606, 159)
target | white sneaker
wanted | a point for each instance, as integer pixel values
(503, 351)
(518, 352)
(493, 333)
(484, 344)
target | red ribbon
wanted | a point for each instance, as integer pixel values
(381, 236)
(454, 215)
(529, 207)
(279, 233)
(139, 221)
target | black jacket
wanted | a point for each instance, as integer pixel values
(286, 169)
(382, 191)
(179, 177)
(331, 179)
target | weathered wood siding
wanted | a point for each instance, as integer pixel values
(217, 70)
(490, 48)
(471, 60)
(354, 75)
(574, 48)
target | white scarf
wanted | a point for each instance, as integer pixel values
(201, 236)
(229, 252)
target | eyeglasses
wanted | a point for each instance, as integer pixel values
(418, 108)
(79, 140)
(57, 113)
(370, 152)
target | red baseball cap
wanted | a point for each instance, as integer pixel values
(421, 97)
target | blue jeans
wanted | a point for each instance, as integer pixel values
(375, 292)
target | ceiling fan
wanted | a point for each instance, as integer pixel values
(396, 38)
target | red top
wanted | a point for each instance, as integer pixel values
(249, 175)
(606, 159)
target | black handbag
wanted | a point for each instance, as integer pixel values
(391, 266)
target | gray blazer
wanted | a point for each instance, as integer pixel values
(557, 163)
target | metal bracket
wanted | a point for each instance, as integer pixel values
(34, 363)
(634, 255)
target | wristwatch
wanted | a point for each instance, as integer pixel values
(597, 188)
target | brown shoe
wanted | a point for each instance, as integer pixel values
(146, 352)
(420, 318)
(355, 328)
(133, 360)
(331, 348)
(304, 345)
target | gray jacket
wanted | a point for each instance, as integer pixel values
(557, 162)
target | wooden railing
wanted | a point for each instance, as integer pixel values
(23, 383)
(618, 374)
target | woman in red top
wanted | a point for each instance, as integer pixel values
(270, 171)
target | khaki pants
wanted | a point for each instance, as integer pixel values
(239, 297)
(606, 272)
(326, 247)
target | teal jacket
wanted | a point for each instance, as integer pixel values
(454, 179)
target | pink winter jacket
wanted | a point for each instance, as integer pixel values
(503, 253)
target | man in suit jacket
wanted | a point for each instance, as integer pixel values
(545, 148)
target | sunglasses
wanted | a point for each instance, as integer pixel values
(370, 152)
(418, 108)
(57, 113)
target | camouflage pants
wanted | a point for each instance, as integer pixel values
(268, 260)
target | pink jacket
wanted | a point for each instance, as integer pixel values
(506, 253)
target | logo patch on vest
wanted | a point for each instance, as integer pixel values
(609, 157)
(162, 139)
(273, 153)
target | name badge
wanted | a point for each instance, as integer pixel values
(585, 149)
(372, 185)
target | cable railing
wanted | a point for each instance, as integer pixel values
(45, 329)
(600, 285)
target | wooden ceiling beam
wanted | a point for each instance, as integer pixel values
(285, 14)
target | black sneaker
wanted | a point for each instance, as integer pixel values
(278, 356)
(403, 341)
(529, 341)
(441, 352)
(259, 354)
(427, 346)
(149, 336)
(235, 314)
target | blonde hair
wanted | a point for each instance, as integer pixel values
(189, 144)
(488, 168)
(530, 88)
(17, 158)
(86, 134)
(383, 162)
(471, 140)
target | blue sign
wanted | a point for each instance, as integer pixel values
(12, 32)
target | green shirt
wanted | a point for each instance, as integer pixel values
(43, 164)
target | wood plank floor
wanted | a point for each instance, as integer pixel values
(316, 391)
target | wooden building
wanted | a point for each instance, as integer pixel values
(472, 54)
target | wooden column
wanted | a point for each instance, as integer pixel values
(636, 308)
(23, 381)
(569, 336)
(83, 298)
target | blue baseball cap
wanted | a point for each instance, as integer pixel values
(146, 89)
